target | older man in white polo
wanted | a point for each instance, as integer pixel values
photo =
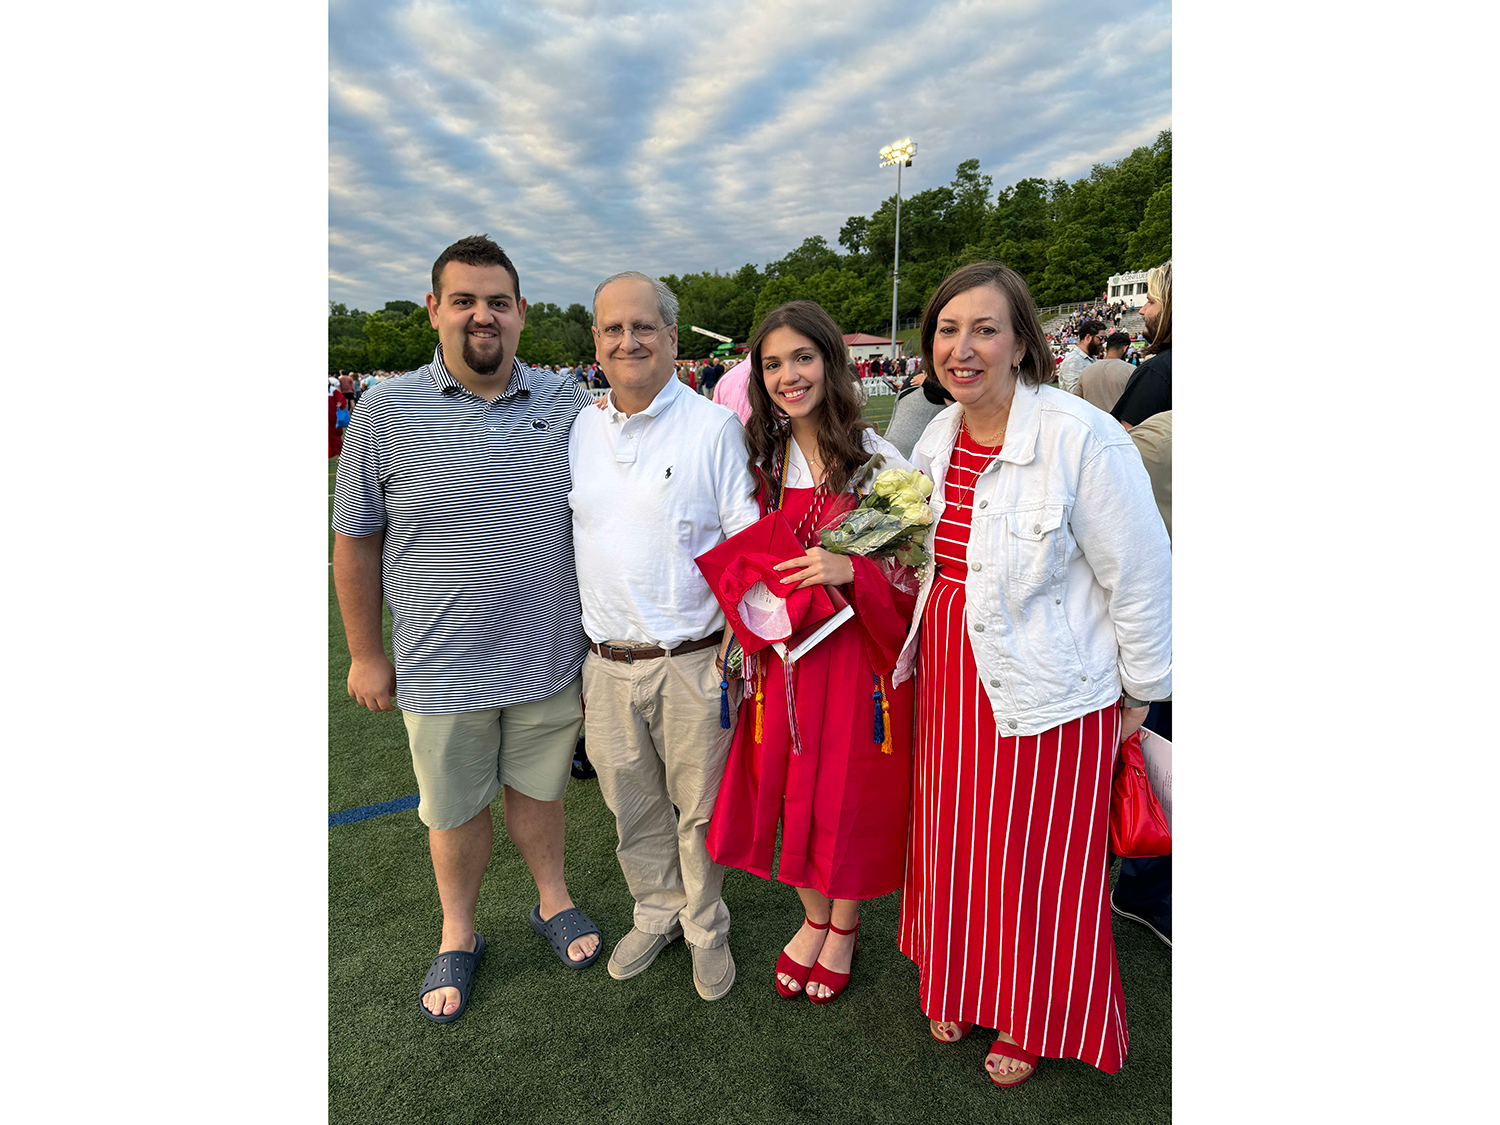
(659, 476)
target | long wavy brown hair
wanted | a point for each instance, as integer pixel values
(841, 424)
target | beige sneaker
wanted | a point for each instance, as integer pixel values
(713, 970)
(634, 952)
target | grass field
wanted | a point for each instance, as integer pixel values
(541, 1043)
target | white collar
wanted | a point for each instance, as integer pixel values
(663, 399)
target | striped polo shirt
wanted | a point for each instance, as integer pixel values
(477, 563)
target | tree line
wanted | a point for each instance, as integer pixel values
(1064, 239)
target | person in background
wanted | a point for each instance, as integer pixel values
(1089, 347)
(349, 389)
(1143, 890)
(1102, 381)
(916, 406)
(731, 390)
(1042, 634)
(841, 798)
(336, 403)
(1150, 388)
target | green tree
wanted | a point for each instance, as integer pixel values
(775, 292)
(854, 234)
(1151, 244)
(1064, 238)
(1075, 271)
(813, 256)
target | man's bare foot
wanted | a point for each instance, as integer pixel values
(1003, 1066)
(804, 949)
(444, 1001)
(579, 949)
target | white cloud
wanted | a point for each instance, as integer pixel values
(681, 137)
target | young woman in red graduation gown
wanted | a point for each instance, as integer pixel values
(842, 796)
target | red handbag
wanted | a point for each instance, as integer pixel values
(1137, 826)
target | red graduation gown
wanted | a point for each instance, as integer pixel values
(843, 803)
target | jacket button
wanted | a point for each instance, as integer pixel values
(979, 626)
(1085, 679)
(1036, 528)
(978, 566)
(984, 503)
(1012, 724)
(1057, 600)
(994, 683)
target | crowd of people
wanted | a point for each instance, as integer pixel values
(953, 739)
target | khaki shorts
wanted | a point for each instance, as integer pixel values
(462, 760)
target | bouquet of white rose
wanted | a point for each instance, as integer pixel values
(891, 520)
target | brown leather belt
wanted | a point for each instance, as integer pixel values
(630, 655)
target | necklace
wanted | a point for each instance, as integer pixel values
(963, 424)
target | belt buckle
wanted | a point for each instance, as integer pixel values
(629, 655)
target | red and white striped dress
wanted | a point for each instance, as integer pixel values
(1005, 905)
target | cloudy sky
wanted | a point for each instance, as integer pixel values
(680, 136)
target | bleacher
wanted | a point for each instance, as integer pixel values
(1129, 322)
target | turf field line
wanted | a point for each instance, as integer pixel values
(365, 812)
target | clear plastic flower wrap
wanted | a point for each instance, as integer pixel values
(889, 526)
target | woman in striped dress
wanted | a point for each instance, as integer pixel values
(1041, 633)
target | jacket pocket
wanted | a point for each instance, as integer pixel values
(1037, 545)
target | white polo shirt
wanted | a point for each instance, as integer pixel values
(650, 494)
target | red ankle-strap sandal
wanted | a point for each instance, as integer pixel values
(834, 981)
(1017, 1052)
(797, 971)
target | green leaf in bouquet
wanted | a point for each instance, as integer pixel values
(878, 531)
(855, 524)
(912, 555)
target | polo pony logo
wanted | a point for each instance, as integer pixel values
(669, 473)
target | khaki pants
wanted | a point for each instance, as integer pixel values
(653, 735)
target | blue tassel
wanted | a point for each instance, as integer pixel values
(879, 719)
(724, 694)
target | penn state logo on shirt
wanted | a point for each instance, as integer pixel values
(539, 424)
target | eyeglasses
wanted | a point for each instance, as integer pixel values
(645, 333)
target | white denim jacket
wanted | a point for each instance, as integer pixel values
(1069, 586)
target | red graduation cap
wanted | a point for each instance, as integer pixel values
(760, 608)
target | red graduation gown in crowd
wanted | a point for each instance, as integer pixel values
(843, 801)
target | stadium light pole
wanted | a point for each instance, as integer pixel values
(900, 155)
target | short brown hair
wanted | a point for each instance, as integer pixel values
(1037, 365)
(476, 250)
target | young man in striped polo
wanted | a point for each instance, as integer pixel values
(660, 475)
(451, 505)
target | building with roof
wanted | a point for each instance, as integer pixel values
(864, 346)
(1128, 287)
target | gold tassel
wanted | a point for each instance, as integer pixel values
(760, 707)
(885, 714)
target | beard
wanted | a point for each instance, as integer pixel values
(1096, 348)
(1152, 323)
(483, 363)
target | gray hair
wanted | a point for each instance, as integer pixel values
(666, 300)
